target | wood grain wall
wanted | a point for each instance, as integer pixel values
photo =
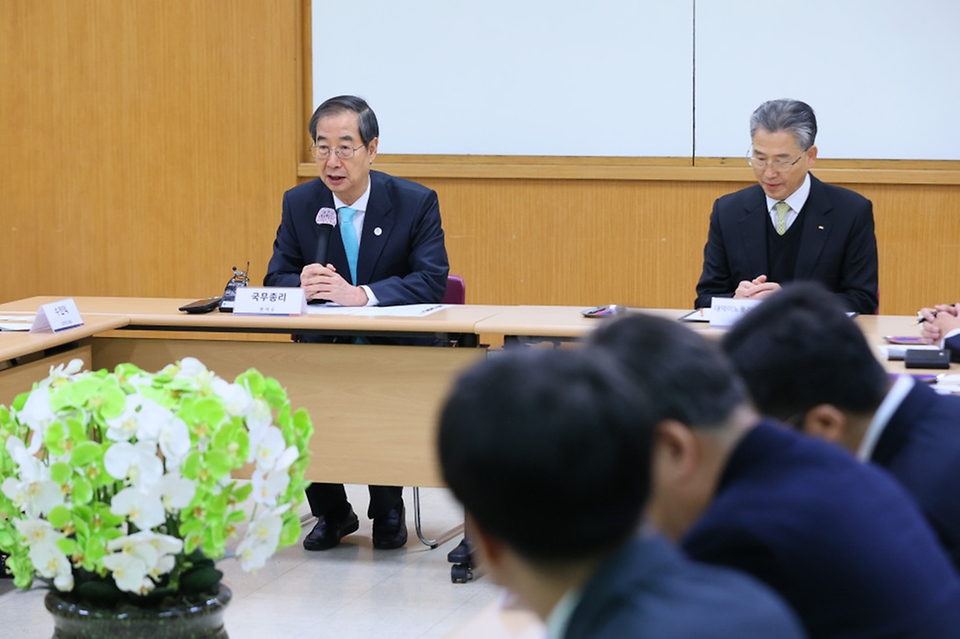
(145, 146)
(145, 143)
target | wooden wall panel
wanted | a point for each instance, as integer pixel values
(145, 146)
(145, 143)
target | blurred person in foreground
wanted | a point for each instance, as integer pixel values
(807, 364)
(840, 541)
(549, 451)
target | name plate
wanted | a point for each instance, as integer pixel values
(270, 300)
(57, 316)
(725, 311)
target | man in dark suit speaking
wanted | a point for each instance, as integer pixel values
(790, 226)
(383, 246)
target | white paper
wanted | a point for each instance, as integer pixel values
(407, 310)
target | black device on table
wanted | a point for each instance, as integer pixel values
(224, 302)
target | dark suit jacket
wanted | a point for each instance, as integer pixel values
(953, 343)
(406, 263)
(649, 589)
(840, 541)
(921, 448)
(837, 246)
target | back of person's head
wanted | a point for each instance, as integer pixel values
(799, 349)
(366, 118)
(792, 116)
(549, 451)
(685, 377)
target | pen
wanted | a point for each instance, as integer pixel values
(923, 319)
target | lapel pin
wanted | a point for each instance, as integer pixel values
(378, 231)
(820, 227)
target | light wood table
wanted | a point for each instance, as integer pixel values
(373, 407)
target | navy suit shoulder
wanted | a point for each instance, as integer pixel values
(840, 541)
(921, 448)
(402, 255)
(649, 589)
(838, 245)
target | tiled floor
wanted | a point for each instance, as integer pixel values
(349, 591)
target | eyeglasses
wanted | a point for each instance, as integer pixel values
(777, 165)
(344, 151)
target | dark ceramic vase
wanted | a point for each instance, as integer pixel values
(201, 618)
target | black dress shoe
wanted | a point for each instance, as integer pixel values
(390, 531)
(328, 532)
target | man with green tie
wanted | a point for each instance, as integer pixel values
(790, 226)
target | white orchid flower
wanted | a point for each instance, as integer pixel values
(145, 510)
(174, 440)
(151, 420)
(129, 573)
(261, 540)
(268, 487)
(37, 415)
(176, 492)
(137, 463)
(33, 490)
(37, 532)
(50, 562)
(259, 417)
(123, 427)
(268, 448)
(62, 371)
(140, 555)
(236, 399)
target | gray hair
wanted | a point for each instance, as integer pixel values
(792, 116)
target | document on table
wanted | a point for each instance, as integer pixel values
(407, 310)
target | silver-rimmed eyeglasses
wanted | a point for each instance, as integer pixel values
(777, 165)
(344, 151)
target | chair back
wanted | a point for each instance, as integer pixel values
(456, 291)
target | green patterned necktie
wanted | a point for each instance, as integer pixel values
(782, 208)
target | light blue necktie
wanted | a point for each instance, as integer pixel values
(351, 245)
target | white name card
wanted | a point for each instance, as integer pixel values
(725, 311)
(270, 300)
(57, 316)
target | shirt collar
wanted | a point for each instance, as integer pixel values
(895, 396)
(359, 205)
(559, 618)
(797, 199)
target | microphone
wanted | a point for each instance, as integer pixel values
(326, 220)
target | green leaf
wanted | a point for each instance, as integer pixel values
(218, 463)
(253, 381)
(200, 579)
(86, 453)
(59, 516)
(82, 491)
(60, 472)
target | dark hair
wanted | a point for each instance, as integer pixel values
(792, 116)
(799, 349)
(549, 451)
(366, 118)
(686, 377)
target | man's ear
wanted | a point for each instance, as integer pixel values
(490, 548)
(675, 452)
(825, 421)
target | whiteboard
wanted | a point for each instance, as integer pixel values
(642, 77)
(513, 77)
(883, 76)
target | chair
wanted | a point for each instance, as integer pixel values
(456, 294)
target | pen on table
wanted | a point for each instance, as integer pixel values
(924, 319)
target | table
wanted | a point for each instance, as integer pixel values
(373, 407)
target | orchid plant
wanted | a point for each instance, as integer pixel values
(124, 482)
